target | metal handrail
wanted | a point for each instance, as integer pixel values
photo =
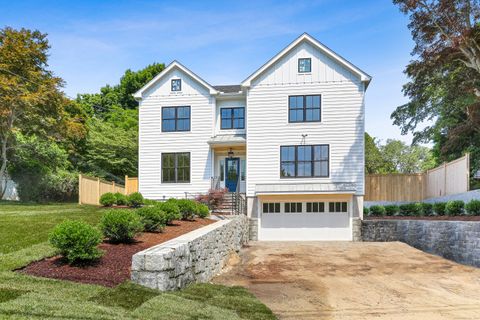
(215, 183)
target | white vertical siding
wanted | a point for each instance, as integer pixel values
(342, 125)
(153, 142)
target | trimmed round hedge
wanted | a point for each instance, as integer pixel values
(121, 225)
(171, 210)
(152, 218)
(76, 241)
(108, 199)
(120, 199)
(473, 208)
(135, 199)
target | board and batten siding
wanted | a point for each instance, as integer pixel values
(342, 115)
(153, 142)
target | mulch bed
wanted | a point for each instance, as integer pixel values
(435, 218)
(114, 267)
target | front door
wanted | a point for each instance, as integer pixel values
(232, 169)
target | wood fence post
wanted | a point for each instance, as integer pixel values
(126, 185)
(98, 191)
(113, 186)
(80, 188)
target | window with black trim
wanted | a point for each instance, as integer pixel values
(293, 207)
(315, 207)
(304, 65)
(337, 207)
(304, 161)
(304, 108)
(176, 119)
(232, 118)
(176, 84)
(176, 167)
(272, 207)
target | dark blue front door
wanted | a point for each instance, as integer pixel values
(232, 169)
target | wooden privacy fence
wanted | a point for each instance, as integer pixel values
(450, 178)
(91, 189)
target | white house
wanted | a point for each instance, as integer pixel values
(290, 138)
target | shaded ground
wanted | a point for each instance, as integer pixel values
(347, 280)
(436, 218)
(114, 267)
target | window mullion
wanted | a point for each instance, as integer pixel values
(175, 163)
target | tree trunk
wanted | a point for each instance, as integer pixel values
(3, 167)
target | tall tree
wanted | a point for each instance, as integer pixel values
(30, 97)
(374, 161)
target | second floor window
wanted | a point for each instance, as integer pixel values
(176, 167)
(232, 118)
(304, 161)
(175, 119)
(304, 108)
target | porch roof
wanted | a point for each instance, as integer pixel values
(305, 188)
(228, 140)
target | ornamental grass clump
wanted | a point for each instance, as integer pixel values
(153, 219)
(121, 225)
(454, 208)
(108, 199)
(76, 241)
(377, 211)
(473, 208)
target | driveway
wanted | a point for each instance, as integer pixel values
(348, 280)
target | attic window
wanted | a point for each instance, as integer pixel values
(177, 85)
(304, 65)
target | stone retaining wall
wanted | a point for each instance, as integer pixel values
(193, 257)
(455, 240)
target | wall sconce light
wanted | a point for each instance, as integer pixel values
(230, 153)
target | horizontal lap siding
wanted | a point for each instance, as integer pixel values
(342, 127)
(153, 142)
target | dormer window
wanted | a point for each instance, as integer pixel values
(177, 85)
(304, 65)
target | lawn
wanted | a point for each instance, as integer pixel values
(24, 232)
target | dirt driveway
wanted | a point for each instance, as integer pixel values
(345, 280)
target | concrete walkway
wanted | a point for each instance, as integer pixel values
(345, 280)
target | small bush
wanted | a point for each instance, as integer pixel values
(410, 209)
(135, 199)
(107, 199)
(171, 210)
(454, 208)
(473, 208)
(366, 211)
(213, 199)
(76, 241)
(121, 225)
(426, 209)
(202, 210)
(439, 208)
(188, 208)
(121, 199)
(149, 202)
(377, 211)
(391, 210)
(153, 218)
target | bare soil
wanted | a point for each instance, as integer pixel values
(349, 280)
(433, 218)
(114, 267)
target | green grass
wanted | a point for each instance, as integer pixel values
(24, 232)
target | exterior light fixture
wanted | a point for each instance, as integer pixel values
(230, 153)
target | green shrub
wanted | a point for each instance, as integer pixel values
(426, 209)
(410, 209)
(439, 208)
(153, 218)
(135, 199)
(202, 210)
(391, 210)
(473, 207)
(121, 199)
(121, 225)
(366, 211)
(171, 210)
(149, 202)
(107, 199)
(76, 241)
(377, 211)
(188, 208)
(454, 208)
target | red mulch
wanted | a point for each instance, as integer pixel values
(435, 218)
(114, 267)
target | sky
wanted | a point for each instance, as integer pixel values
(94, 42)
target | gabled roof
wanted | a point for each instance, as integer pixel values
(229, 88)
(175, 64)
(306, 37)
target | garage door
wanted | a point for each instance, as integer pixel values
(305, 221)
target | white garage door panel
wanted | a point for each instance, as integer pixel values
(305, 226)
